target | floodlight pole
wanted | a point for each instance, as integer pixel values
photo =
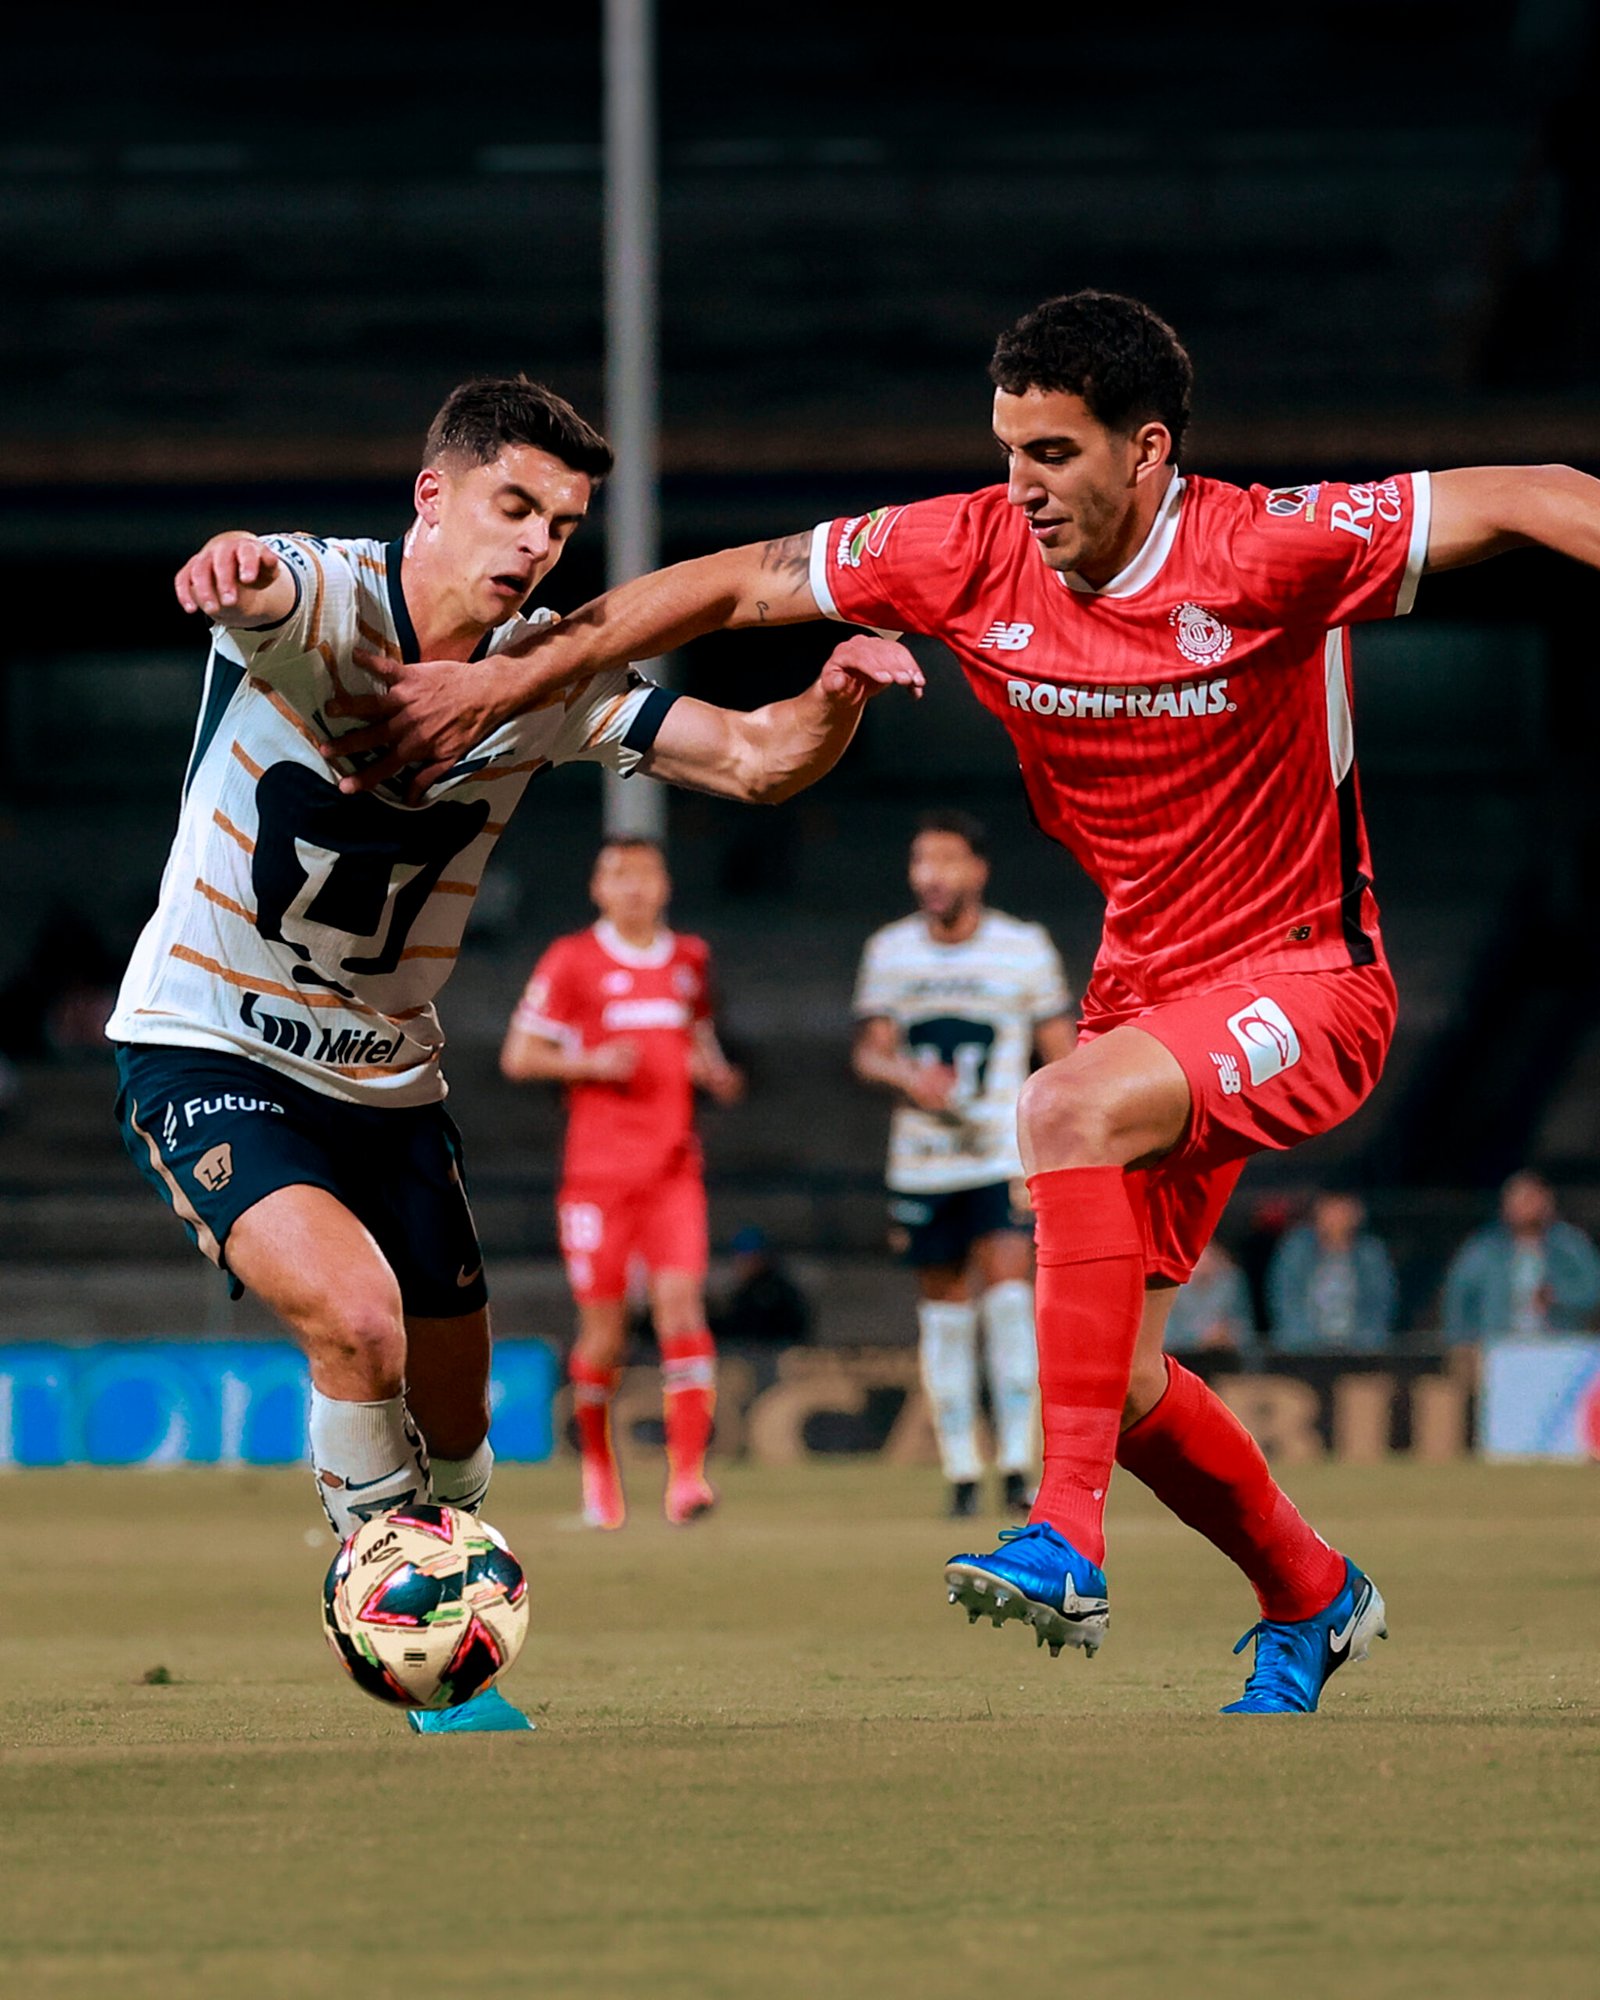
(633, 413)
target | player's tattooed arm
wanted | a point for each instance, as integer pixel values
(1483, 510)
(429, 713)
(236, 579)
(768, 754)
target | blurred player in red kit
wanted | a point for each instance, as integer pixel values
(1170, 657)
(621, 1014)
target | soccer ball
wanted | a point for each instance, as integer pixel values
(425, 1606)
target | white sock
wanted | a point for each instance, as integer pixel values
(464, 1482)
(1013, 1370)
(948, 1351)
(368, 1457)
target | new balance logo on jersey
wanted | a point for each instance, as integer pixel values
(1227, 1074)
(1266, 1034)
(1004, 638)
(1098, 704)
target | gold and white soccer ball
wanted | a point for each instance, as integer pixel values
(425, 1606)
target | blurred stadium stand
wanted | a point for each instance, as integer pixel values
(1379, 233)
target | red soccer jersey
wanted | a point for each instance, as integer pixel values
(593, 987)
(1185, 729)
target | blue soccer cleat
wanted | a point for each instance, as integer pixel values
(486, 1713)
(1296, 1658)
(1039, 1577)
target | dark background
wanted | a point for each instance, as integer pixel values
(241, 269)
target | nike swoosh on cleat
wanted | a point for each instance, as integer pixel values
(1339, 1642)
(362, 1485)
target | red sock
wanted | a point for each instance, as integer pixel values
(688, 1400)
(592, 1391)
(1088, 1299)
(1199, 1460)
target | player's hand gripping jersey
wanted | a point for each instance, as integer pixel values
(973, 1006)
(1184, 729)
(308, 930)
(592, 988)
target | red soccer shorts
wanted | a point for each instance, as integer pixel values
(1269, 1062)
(607, 1226)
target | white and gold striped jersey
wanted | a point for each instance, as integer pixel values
(973, 1006)
(308, 930)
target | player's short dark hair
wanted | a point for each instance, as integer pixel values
(478, 419)
(1123, 360)
(966, 826)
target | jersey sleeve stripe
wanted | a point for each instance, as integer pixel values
(374, 638)
(604, 722)
(242, 756)
(204, 888)
(1417, 552)
(430, 951)
(283, 708)
(821, 534)
(243, 839)
(455, 888)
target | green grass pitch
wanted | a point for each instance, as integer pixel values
(771, 1760)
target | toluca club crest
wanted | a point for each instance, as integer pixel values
(1201, 634)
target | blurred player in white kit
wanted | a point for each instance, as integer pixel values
(951, 1005)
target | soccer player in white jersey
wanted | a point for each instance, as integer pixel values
(951, 1004)
(277, 1044)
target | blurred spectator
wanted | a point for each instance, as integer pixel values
(765, 1304)
(1270, 1215)
(1528, 1274)
(1211, 1313)
(1331, 1283)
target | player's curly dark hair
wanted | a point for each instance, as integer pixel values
(1123, 360)
(480, 418)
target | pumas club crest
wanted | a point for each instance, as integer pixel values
(1201, 634)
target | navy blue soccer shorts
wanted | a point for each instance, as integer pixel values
(933, 1229)
(213, 1134)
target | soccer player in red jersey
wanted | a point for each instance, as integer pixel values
(621, 1014)
(1170, 656)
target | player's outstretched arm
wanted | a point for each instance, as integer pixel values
(1484, 510)
(237, 580)
(526, 1057)
(430, 713)
(769, 754)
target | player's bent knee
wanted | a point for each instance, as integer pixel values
(361, 1337)
(1066, 1119)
